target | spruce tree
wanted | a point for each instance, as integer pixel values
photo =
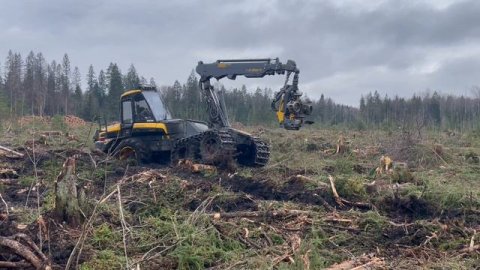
(115, 90)
(132, 80)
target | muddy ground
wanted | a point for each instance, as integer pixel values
(424, 213)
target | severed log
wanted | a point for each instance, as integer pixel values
(8, 150)
(67, 198)
(196, 167)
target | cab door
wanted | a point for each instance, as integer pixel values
(127, 118)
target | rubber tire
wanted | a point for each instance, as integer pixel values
(143, 156)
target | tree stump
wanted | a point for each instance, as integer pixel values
(342, 147)
(67, 198)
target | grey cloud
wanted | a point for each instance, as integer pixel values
(342, 50)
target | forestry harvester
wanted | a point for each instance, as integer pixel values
(147, 132)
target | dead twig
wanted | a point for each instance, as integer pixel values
(5, 203)
(124, 226)
(471, 247)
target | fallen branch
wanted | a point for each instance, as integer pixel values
(338, 200)
(261, 214)
(470, 249)
(27, 252)
(8, 150)
(342, 202)
(9, 265)
(8, 181)
(363, 262)
(8, 173)
(52, 133)
(337, 220)
(295, 242)
(29, 241)
(375, 262)
(440, 157)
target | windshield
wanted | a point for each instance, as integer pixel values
(156, 105)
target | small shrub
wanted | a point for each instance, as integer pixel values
(351, 188)
(472, 157)
(372, 221)
(343, 166)
(26, 181)
(104, 259)
(202, 247)
(104, 236)
(58, 123)
(402, 175)
(276, 238)
(311, 147)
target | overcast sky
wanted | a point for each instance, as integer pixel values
(344, 48)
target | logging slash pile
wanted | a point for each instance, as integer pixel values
(349, 201)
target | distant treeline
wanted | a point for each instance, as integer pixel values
(35, 86)
(430, 110)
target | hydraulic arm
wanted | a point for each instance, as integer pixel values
(289, 107)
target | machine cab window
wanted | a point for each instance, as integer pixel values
(127, 115)
(142, 110)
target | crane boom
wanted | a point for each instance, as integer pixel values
(250, 68)
(289, 107)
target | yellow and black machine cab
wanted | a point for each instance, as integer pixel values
(146, 131)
